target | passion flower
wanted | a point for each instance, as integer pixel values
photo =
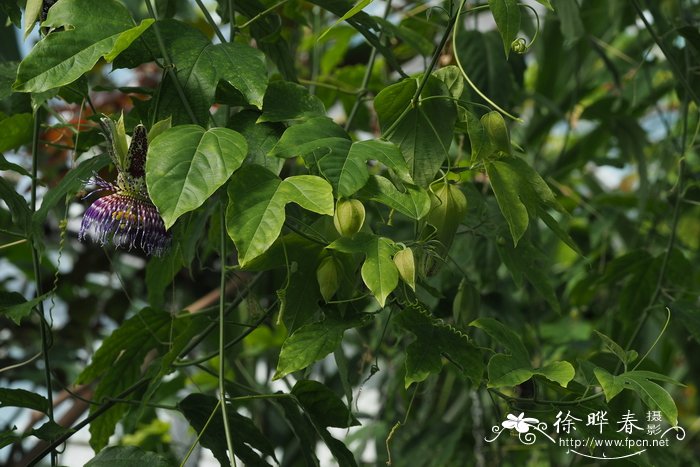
(126, 217)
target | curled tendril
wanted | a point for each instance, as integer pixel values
(519, 46)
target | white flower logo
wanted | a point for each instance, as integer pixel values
(520, 423)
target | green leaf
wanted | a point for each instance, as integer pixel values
(314, 134)
(261, 138)
(505, 336)
(435, 338)
(118, 364)
(5, 165)
(365, 25)
(31, 15)
(323, 405)
(239, 65)
(653, 395)
(487, 67)
(303, 429)
(546, 3)
(187, 164)
(506, 186)
(526, 261)
(17, 204)
(198, 408)
(16, 130)
(159, 127)
(354, 173)
(413, 202)
(424, 132)
(507, 16)
(285, 101)
(69, 185)
(127, 456)
(506, 370)
(23, 398)
(207, 72)
(309, 344)
(379, 272)
(90, 34)
(350, 13)
(257, 198)
(625, 357)
(452, 77)
(480, 147)
(569, 14)
(559, 372)
(14, 306)
(611, 384)
(50, 431)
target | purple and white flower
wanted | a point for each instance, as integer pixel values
(126, 217)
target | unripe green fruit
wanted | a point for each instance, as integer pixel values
(349, 217)
(328, 277)
(406, 264)
(449, 206)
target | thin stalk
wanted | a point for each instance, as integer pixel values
(222, 315)
(261, 14)
(232, 19)
(675, 68)
(368, 75)
(169, 64)
(680, 188)
(436, 55)
(246, 333)
(316, 49)
(43, 323)
(199, 435)
(241, 296)
(466, 76)
(211, 21)
(11, 244)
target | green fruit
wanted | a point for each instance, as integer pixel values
(349, 217)
(406, 264)
(449, 206)
(328, 277)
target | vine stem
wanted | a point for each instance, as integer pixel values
(169, 64)
(436, 56)
(211, 21)
(222, 315)
(426, 75)
(368, 74)
(674, 224)
(43, 323)
(466, 76)
(199, 435)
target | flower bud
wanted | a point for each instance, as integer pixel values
(406, 264)
(349, 217)
(449, 208)
(328, 277)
